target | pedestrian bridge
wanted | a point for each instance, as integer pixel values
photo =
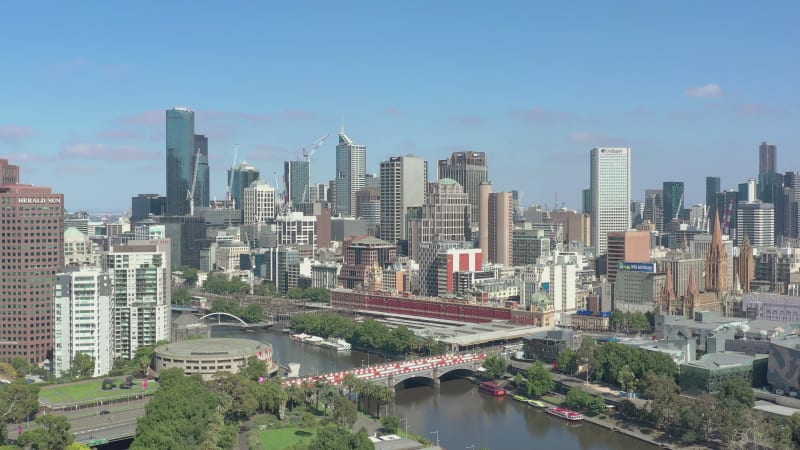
(391, 374)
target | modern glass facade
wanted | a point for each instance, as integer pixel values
(202, 191)
(351, 172)
(673, 201)
(297, 176)
(180, 159)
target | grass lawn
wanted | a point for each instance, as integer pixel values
(87, 391)
(280, 438)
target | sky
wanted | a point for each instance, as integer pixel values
(691, 87)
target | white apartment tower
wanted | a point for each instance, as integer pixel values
(259, 203)
(294, 228)
(83, 320)
(757, 221)
(403, 183)
(610, 184)
(142, 291)
(351, 172)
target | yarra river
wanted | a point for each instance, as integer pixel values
(462, 416)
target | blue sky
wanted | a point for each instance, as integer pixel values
(691, 87)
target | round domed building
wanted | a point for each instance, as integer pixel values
(208, 356)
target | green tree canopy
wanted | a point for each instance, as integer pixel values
(736, 393)
(540, 380)
(82, 365)
(567, 361)
(495, 366)
(54, 434)
(18, 401)
(344, 412)
(181, 296)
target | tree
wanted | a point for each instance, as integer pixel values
(332, 437)
(344, 412)
(21, 365)
(181, 296)
(53, 434)
(586, 354)
(736, 394)
(639, 322)
(82, 365)
(254, 368)
(495, 366)
(626, 379)
(794, 426)
(239, 390)
(189, 275)
(540, 380)
(390, 423)
(108, 384)
(18, 401)
(7, 371)
(253, 313)
(567, 361)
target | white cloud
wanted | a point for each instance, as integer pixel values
(711, 90)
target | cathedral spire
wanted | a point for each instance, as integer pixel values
(717, 261)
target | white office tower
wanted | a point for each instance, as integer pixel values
(610, 177)
(553, 283)
(149, 230)
(403, 182)
(83, 320)
(757, 221)
(351, 172)
(294, 228)
(142, 290)
(259, 203)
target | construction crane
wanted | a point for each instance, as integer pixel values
(283, 205)
(314, 147)
(190, 192)
(229, 192)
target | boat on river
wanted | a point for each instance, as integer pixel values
(536, 403)
(337, 344)
(519, 398)
(492, 388)
(565, 413)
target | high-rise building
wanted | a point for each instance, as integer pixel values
(239, 178)
(767, 157)
(360, 255)
(575, 226)
(444, 216)
(484, 190)
(626, 246)
(757, 221)
(259, 203)
(294, 229)
(610, 175)
(404, 180)
(528, 246)
(368, 208)
(673, 202)
(143, 205)
(31, 244)
(654, 208)
(187, 239)
(142, 288)
(791, 201)
(84, 320)
(182, 148)
(351, 170)
(469, 169)
(712, 188)
(297, 176)
(501, 228)
(78, 249)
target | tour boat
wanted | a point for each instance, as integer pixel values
(564, 413)
(338, 344)
(491, 388)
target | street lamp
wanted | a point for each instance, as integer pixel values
(437, 436)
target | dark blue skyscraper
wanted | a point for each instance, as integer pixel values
(182, 145)
(673, 201)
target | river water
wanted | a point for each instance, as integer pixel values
(462, 416)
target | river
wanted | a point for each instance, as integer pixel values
(461, 415)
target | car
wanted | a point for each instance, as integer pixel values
(104, 412)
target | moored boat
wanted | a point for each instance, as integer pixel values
(536, 403)
(337, 344)
(519, 398)
(565, 413)
(492, 388)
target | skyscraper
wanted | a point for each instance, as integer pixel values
(469, 169)
(182, 147)
(756, 220)
(610, 176)
(673, 201)
(501, 228)
(239, 178)
(404, 180)
(140, 279)
(654, 208)
(351, 171)
(712, 188)
(445, 216)
(31, 242)
(297, 176)
(767, 155)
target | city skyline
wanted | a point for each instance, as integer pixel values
(524, 89)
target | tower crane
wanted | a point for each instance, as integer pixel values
(190, 192)
(284, 201)
(229, 193)
(314, 147)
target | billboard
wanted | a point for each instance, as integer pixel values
(637, 267)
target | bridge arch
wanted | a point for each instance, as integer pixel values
(219, 314)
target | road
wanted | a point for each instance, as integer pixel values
(88, 424)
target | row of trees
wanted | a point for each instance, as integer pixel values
(615, 363)
(368, 334)
(637, 322)
(222, 284)
(312, 293)
(250, 314)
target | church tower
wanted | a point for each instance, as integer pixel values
(690, 301)
(745, 265)
(716, 262)
(668, 295)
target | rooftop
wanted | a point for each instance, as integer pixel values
(722, 360)
(213, 346)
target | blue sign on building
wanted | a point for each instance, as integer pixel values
(637, 267)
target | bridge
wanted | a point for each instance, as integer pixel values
(431, 368)
(241, 321)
